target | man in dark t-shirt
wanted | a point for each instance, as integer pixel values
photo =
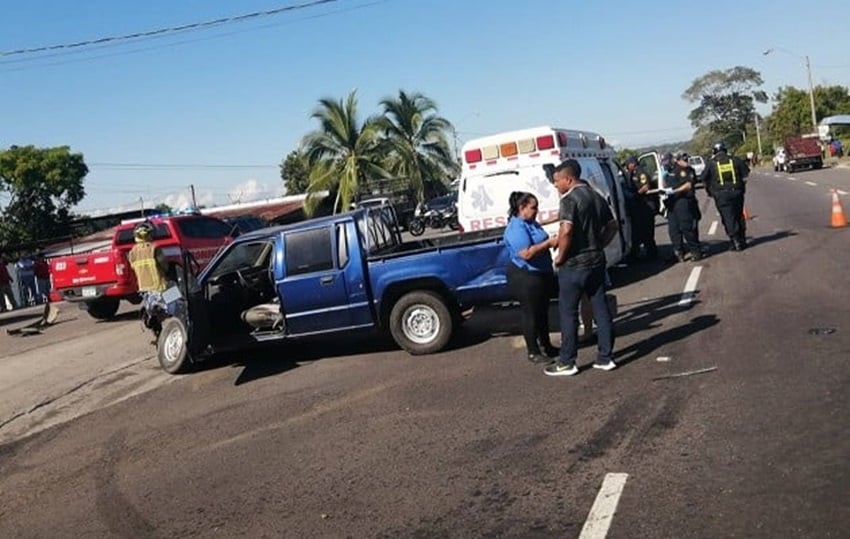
(587, 226)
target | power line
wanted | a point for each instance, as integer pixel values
(172, 166)
(167, 30)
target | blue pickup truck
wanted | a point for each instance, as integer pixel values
(341, 273)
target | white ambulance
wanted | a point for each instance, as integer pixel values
(522, 160)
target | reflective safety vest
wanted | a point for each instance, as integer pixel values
(726, 172)
(146, 267)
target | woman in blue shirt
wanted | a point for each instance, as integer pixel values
(530, 274)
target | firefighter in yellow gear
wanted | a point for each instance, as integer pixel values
(151, 269)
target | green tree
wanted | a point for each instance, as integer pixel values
(726, 102)
(792, 115)
(295, 173)
(162, 207)
(625, 153)
(42, 185)
(343, 153)
(416, 139)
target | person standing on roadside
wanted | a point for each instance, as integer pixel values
(531, 278)
(724, 178)
(26, 281)
(42, 278)
(644, 207)
(681, 205)
(587, 226)
(6, 288)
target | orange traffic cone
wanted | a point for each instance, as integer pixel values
(839, 220)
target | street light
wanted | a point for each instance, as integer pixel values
(808, 74)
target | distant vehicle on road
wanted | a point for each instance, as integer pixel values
(697, 162)
(802, 152)
(779, 160)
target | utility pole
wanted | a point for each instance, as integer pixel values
(142, 206)
(758, 134)
(811, 95)
(194, 202)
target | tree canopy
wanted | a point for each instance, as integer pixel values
(42, 185)
(295, 173)
(725, 102)
(791, 113)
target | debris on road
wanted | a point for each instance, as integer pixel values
(48, 318)
(687, 373)
(822, 331)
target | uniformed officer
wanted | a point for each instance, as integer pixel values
(724, 178)
(644, 207)
(150, 267)
(681, 206)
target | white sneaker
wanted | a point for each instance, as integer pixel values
(610, 366)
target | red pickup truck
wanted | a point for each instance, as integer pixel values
(100, 280)
(802, 152)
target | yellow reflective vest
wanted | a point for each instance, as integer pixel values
(148, 264)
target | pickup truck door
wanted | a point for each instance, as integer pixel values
(323, 286)
(192, 307)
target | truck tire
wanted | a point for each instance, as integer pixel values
(421, 323)
(103, 308)
(172, 347)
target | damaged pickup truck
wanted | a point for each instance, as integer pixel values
(343, 273)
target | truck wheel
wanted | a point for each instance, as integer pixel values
(103, 308)
(172, 347)
(421, 323)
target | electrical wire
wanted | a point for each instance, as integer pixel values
(136, 36)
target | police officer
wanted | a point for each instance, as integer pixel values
(644, 207)
(150, 267)
(724, 178)
(681, 205)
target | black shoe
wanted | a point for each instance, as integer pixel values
(539, 358)
(738, 245)
(696, 256)
(551, 351)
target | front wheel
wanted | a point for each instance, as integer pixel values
(421, 323)
(103, 308)
(172, 347)
(416, 226)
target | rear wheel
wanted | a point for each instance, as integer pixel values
(421, 323)
(103, 308)
(172, 347)
(416, 226)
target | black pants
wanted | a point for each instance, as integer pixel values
(682, 225)
(533, 290)
(643, 226)
(730, 205)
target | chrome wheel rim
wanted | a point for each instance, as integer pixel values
(420, 324)
(173, 345)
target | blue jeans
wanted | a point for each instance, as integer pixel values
(574, 283)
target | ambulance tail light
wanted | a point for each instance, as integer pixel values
(472, 156)
(546, 142)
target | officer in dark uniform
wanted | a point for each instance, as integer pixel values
(644, 208)
(724, 178)
(681, 204)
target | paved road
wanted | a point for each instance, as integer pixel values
(356, 439)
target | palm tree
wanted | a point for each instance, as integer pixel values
(342, 153)
(416, 138)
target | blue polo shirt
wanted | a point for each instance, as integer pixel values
(521, 234)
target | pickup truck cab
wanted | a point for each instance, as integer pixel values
(343, 273)
(98, 281)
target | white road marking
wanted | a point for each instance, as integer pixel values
(790, 178)
(777, 176)
(840, 192)
(663, 359)
(690, 287)
(813, 184)
(602, 513)
(712, 230)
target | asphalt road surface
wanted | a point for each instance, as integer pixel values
(341, 438)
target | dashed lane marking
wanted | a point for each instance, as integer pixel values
(790, 178)
(840, 192)
(602, 513)
(813, 184)
(712, 230)
(690, 287)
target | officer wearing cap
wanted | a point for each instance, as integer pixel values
(644, 207)
(680, 201)
(724, 178)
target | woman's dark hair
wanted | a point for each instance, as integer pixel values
(517, 200)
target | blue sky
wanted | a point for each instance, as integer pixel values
(237, 98)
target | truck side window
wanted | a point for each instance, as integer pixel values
(308, 251)
(341, 246)
(203, 228)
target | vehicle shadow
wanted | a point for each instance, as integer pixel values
(263, 361)
(645, 347)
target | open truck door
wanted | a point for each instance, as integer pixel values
(185, 333)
